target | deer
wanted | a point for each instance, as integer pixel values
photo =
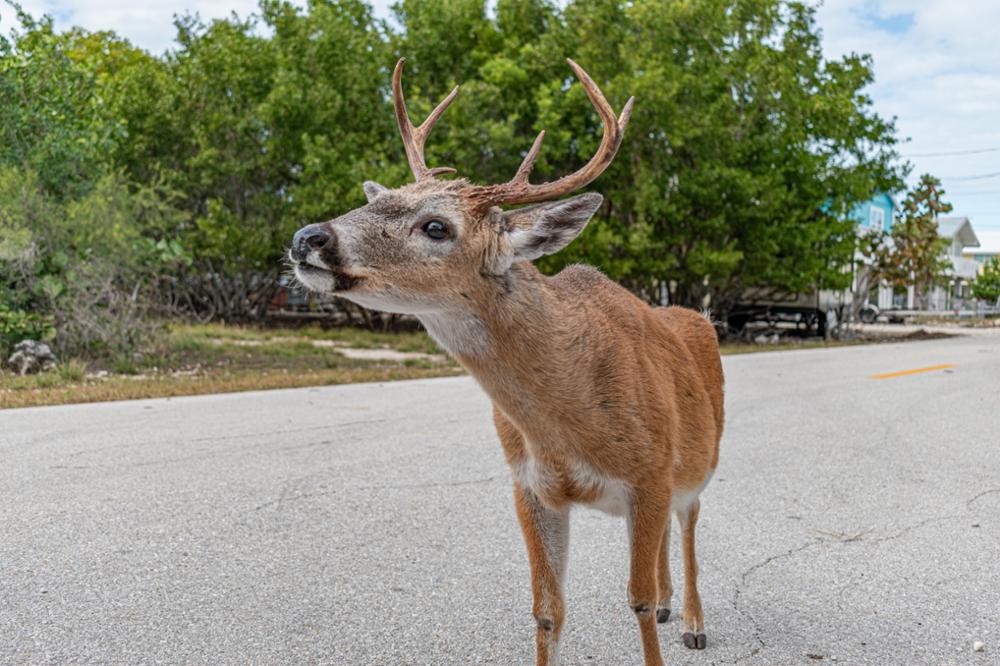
(599, 399)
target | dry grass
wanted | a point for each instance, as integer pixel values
(201, 359)
(164, 386)
(195, 360)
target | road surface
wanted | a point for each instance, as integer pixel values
(852, 519)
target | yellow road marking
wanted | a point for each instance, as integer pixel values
(915, 371)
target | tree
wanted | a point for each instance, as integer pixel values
(746, 149)
(913, 253)
(746, 152)
(987, 284)
(50, 109)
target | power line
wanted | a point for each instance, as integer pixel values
(973, 193)
(975, 151)
(978, 176)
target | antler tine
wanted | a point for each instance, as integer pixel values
(518, 190)
(528, 163)
(415, 137)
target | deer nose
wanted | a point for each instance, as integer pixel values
(307, 239)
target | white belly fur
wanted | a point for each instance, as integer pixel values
(614, 496)
(681, 499)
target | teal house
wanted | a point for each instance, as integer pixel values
(876, 213)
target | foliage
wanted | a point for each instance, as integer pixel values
(50, 121)
(17, 325)
(745, 153)
(987, 284)
(913, 252)
(80, 270)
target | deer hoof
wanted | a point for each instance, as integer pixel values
(662, 615)
(694, 641)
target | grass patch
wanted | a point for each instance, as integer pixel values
(214, 358)
(407, 341)
(199, 359)
(47, 392)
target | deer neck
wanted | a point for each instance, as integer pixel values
(519, 340)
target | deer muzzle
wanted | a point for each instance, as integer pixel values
(314, 238)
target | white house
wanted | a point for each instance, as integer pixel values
(989, 247)
(952, 295)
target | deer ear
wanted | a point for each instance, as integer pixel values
(373, 189)
(535, 231)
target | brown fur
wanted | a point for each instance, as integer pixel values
(594, 392)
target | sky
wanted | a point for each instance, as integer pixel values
(937, 70)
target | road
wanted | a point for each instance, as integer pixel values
(851, 519)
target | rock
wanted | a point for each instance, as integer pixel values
(31, 356)
(978, 646)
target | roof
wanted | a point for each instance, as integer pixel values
(958, 227)
(989, 243)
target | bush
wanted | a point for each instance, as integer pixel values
(73, 370)
(17, 325)
(80, 272)
(987, 284)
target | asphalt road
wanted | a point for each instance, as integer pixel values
(851, 519)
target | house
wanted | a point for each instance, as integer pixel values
(956, 289)
(876, 214)
(820, 310)
(988, 249)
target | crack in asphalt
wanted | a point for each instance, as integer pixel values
(860, 537)
(738, 594)
(915, 526)
(970, 502)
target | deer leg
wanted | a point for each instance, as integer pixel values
(546, 534)
(665, 585)
(694, 621)
(646, 526)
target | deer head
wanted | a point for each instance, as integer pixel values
(424, 247)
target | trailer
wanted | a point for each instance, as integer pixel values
(815, 313)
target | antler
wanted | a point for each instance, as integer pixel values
(519, 191)
(414, 137)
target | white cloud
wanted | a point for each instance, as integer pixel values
(146, 23)
(940, 76)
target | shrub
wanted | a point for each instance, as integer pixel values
(73, 370)
(987, 284)
(80, 272)
(17, 325)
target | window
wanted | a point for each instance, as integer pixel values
(876, 218)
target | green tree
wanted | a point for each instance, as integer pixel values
(746, 149)
(258, 135)
(51, 119)
(987, 283)
(745, 152)
(913, 253)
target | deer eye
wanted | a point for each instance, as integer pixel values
(435, 229)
